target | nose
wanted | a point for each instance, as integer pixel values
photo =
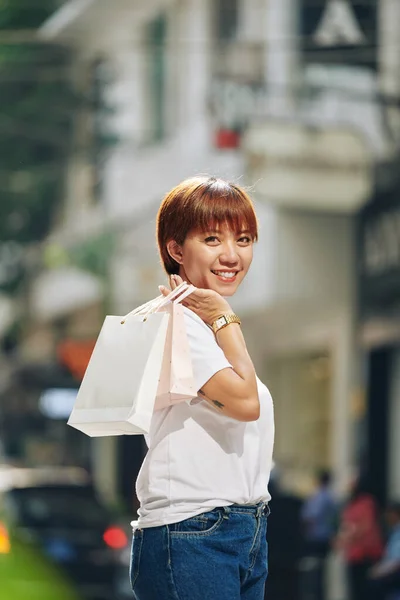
(229, 255)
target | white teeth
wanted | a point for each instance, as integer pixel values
(225, 274)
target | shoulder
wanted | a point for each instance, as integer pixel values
(363, 506)
(207, 357)
(195, 325)
(191, 317)
(367, 501)
(371, 506)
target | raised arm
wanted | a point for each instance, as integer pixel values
(231, 391)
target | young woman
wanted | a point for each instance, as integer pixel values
(203, 486)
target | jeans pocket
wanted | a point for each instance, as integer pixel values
(200, 525)
(136, 551)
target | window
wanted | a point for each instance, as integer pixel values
(103, 134)
(156, 40)
(227, 19)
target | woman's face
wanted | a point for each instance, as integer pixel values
(216, 260)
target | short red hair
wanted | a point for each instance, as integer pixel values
(202, 203)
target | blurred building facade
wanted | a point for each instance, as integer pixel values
(324, 153)
(379, 277)
(292, 103)
(151, 64)
(378, 244)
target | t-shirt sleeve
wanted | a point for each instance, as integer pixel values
(207, 357)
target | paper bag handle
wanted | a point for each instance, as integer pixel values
(175, 296)
(139, 309)
(189, 290)
(154, 302)
(157, 303)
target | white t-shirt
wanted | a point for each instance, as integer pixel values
(197, 457)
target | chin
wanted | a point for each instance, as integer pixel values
(220, 289)
(226, 290)
(227, 293)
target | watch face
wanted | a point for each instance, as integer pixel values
(221, 321)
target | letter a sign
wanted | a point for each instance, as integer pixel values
(342, 32)
(339, 26)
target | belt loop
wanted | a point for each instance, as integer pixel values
(226, 510)
(263, 509)
(134, 525)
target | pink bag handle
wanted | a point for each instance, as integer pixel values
(176, 296)
(142, 307)
(154, 305)
(185, 294)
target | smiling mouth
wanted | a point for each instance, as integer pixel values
(225, 275)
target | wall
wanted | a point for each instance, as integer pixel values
(303, 262)
(303, 302)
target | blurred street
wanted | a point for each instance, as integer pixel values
(104, 106)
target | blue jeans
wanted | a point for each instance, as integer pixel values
(217, 555)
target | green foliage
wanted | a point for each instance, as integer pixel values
(23, 14)
(36, 105)
(94, 254)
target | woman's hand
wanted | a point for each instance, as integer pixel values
(207, 304)
(232, 391)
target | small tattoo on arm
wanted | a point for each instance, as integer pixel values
(215, 402)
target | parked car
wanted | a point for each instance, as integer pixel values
(57, 510)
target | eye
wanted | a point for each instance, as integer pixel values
(245, 239)
(211, 239)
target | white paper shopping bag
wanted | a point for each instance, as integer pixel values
(118, 390)
(176, 378)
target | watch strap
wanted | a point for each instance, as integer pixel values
(224, 321)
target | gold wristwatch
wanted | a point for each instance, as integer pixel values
(225, 320)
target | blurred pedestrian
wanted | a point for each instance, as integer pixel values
(360, 539)
(284, 544)
(385, 576)
(319, 519)
(201, 533)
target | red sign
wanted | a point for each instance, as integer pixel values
(75, 355)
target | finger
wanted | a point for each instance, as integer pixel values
(164, 290)
(190, 302)
(178, 280)
(195, 296)
(173, 281)
(187, 304)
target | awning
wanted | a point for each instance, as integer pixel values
(328, 169)
(75, 19)
(66, 18)
(59, 292)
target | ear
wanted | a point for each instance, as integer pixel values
(175, 251)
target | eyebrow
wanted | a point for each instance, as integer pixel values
(219, 231)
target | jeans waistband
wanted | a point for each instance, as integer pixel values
(257, 509)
